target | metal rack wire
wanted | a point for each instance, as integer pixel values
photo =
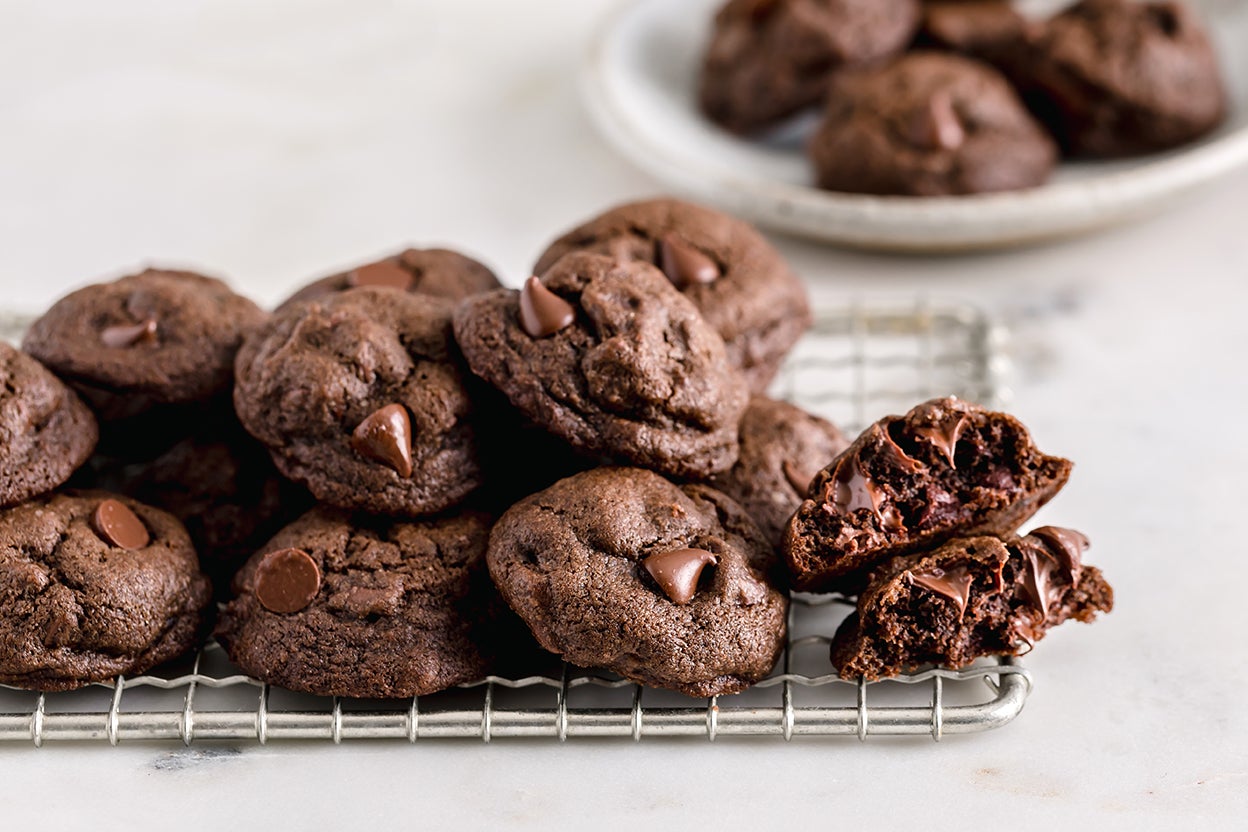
(857, 363)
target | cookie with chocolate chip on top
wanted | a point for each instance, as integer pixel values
(732, 274)
(668, 585)
(93, 585)
(159, 344)
(610, 357)
(946, 469)
(432, 271)
(344, 605)
(362, 397)
(972, 597)
(46, 432)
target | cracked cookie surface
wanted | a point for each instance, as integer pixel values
(77, 608)
(587, 564)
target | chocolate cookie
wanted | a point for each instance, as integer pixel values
(361, 397)
(224, 488)
(151, 339)
(338, 605)
(782, 448)
(973, 597)
(46, 431)
(433, 271)
(670, 586)
(769, 59)
(93, 585)
(991, 30)
(929, 124)
(737, 279)
(909, 483)
(609, 356)
(1116, 77)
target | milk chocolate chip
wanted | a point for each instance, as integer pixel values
(683, 264)
(287, 580)
(386, 436)
(127, 335)
(386, 273)
(677, 572)
(118, 526)
(944, 435)
(542, 312)
(953, 583)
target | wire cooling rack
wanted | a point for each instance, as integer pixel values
(858, 363)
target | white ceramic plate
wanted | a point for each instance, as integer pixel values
(639, 84)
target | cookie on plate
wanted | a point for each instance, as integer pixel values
(770, 59)
(150, 339)
(1117, 77)
(612, 358)
(991, 30)
(668, 585)
(929, 124)
(342, 605)
(733, 275)
(361, 396)
(432, 271)
(909, 483)
(972, 597)
(46, 432)
(782, 448)
(93, 585)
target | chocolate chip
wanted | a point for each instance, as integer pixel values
(1038, 566)
(851, 489)
(1068, 544)
(798, 476)
(944, 435)
(542, 312)
(127, 335)
(386, 437)
(936, 126)
(386, 273)
(953, 583)
(677, 572)
(287, 580)
(684, 265)
(118, 526)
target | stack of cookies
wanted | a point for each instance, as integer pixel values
(937, 97)
(408, 477)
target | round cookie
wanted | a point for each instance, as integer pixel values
(1114, 78)
(610, 357)
(338, 605)
(769, 59)
(155, 338)
(46, 432)
(361, 397)
(669, 586)
(929, 124)
(93, 585)
(782, 448)
(733, 275)
(433, 271)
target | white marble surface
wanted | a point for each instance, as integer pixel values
(273, 141)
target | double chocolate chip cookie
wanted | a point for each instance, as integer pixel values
(782, 448)
(342, 605)
(93, 585)
(433, 271)
(46, 431)
(973, 597)
(146, 342)
(736, 279)
(909, 483)
(361, 397)
(769, 59)
(612, 358)
(670, 586)
(1116, 77)
(929, 124)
